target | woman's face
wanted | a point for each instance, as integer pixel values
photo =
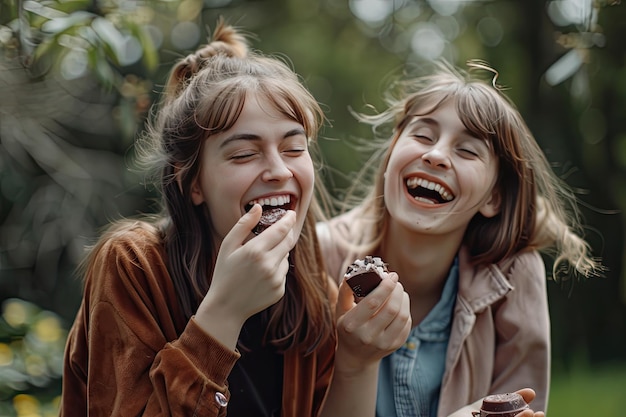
(263, 158)
(439, 176)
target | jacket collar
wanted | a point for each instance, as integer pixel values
(480, 286)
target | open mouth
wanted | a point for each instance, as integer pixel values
(279, 201)
(274, 208)
(427, 191)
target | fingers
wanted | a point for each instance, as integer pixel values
(382, 318)
(528, 394)
(279, 236)
(241, 230)
(530, 413)
(279, 233)
(367, 307)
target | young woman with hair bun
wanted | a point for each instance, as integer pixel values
(190, 313)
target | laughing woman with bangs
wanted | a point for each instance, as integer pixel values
(463, 202)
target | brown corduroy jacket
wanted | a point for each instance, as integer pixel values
(131, 351)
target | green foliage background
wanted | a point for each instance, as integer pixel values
(77, 79)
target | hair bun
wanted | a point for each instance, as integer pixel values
(226, 40)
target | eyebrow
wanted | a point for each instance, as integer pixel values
(430, 121)
(252, 137)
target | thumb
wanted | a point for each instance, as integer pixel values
(241, 230)
(528, 394)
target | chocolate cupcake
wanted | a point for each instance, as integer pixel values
(364, 275)
(268, 218)
(501, 405)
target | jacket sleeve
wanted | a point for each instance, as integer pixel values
(522, 354)
(123, 356)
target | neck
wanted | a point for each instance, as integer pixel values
(422, 262)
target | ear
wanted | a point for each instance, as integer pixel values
(196, 192)
(492, 206)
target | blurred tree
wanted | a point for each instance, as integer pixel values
(67, 120)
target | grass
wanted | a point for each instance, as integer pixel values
(596, 392)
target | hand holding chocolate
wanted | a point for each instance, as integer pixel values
(364, 275)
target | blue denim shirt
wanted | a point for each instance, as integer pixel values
(409, 379)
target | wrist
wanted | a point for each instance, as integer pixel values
(222, 326)
(351, 367)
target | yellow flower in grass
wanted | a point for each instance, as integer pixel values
(15, 313)
(48, 329)
(36, 365)
(6, 355)
(26, 405)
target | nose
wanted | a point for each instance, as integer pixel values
(276, 169)
(437, 156)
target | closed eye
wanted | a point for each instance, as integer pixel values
(423, 138)
(468, 152)
(243, 156)
(295, 151)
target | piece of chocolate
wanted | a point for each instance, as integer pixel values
(364, 275)
(501, 405)
(268, 218)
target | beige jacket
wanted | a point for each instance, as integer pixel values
(500, 337)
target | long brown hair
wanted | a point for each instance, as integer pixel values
(204, 95)
(538, 210)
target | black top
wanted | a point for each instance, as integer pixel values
(256, 381)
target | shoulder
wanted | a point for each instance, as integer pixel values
(130, 255)
(527, 263)
(517, 275)
(335, 237)
(130, 235)
(336, 225)
(526, 273)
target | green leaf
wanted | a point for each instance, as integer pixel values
(110, 37)
(69, 6)
(150, 53)
(61, 24)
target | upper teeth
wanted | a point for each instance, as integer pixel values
(415, 182)
(279, 200)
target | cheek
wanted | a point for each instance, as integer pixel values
(398, 160)
(305, 174)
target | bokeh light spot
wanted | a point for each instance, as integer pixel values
(490, 31)
(15, 313)
(74, 64)
(428, 41)
(185, 35)
(371, 11)
(131, 51)
(592, 126)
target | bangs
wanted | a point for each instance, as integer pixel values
(293, 102)
(423, 104)
(218, 112)
(478, 111)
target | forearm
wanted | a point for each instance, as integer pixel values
(352, 394)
